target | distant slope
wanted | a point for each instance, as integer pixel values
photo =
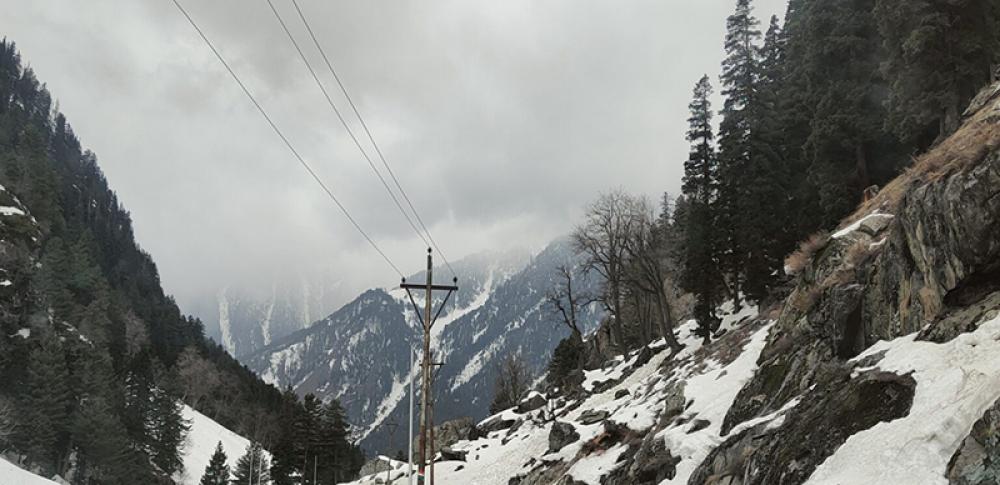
(360, 354)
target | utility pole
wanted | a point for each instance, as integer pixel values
(409, 436)
(425, 364)
(391, 425)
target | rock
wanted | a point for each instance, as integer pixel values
(562, 434)
(977, 460)
(449, 454)
(497, 424)
(591, 416)
(698, 425)
(649, 464)
(455, 430)
(621, 393)
(673, 402)
(374, 466)
(531, 403)
(836, 409)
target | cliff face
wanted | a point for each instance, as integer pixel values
(920, 260)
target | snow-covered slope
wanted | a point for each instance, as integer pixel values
(360, 353)
(200, 444)
(10, 474)
(702, 382)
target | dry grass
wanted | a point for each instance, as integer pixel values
(978, 136)
(798, 260)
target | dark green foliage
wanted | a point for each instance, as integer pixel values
(314, 439)
(938, 54)
(737, 140)
(47, 405)
(252, 467)
(217, 472)
(567, 357)
(702, 238)
(92, 300)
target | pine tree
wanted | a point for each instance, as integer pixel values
(736, 143)
(46, 407)
(768, 177)
(217, 472)
(701, 273)
(939, 54)
(286, 458)
(252, 467)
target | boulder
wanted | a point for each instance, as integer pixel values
(562, 434)
(450, 432)
(449, 454)
(531, 403)
(591, 416)
(621, 393)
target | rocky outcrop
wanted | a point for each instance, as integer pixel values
(810, 432)
(922, 255)
(562, 434)
(450, 432)
(977, 461)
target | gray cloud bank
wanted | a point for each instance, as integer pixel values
(502, 119)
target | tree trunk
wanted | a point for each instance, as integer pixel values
(667, 324)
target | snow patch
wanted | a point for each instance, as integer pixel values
(200, 445)
(957, 381)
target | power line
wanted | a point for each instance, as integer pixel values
(371, 138)
(285, 139)
(350, 132)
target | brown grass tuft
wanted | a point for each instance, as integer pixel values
(802, 257)
(977, 137)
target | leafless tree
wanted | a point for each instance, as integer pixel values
(567, 301)
(512, 383)
(603, 239)
(648, 256)
(197, 375)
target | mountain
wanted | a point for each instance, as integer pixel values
(881, 367)
(245, 320)
(360, 354)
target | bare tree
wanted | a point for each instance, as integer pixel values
(567, 301)
(512, 383)
(603, 239)
(647, 254)
(197, 375)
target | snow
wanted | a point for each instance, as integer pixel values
(854, 226)
(710, 394)
(6, 283)
(710, 386)
(11, 211)
(24, 333)
(10, 474)
(957, 381)
(200, 445)
(590, 468)
(227, 334)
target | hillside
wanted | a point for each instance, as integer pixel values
(880, 367)
(497, 311)
(96, 361)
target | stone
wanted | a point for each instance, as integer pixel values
(561, 434)
(450, 432)
(531, 403)
(449, 454)
(591, 416)
(621, 393)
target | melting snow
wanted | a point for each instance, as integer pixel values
(957, 381)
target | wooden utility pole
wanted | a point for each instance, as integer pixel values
(425, 365)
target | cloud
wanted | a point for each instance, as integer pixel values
(501, 119)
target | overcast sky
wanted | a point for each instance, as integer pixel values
(502, 119)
